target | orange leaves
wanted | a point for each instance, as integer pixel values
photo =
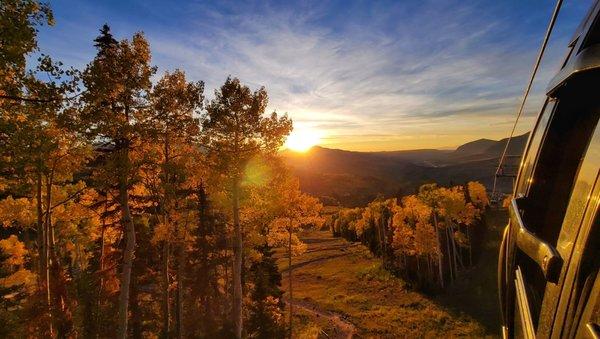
(161, 233)
(403, 241)
(257, 172)
(17, 212)
(22, 277)
(425, 238)
(15, 250)
(415, 209)
(350, 219)
(175, 101)
(274, 206)
(450, 203)
(413, 231)
(478, 194)
(16, 254)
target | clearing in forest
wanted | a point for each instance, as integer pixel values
(341, 290)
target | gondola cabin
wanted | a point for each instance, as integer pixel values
(548, 263)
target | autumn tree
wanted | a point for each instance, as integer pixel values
(295, 209)
(425, 231)
(174, 120)
(265, 183)
(236, 130)
(266, 316)
(114, 112)
(19, 22)
(208, 261)
(38, 151)
(414, 234)
(16, 283)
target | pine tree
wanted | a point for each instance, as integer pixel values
(105, 40)
(265, 320)
(114, 110)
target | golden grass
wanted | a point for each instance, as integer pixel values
(345, 278)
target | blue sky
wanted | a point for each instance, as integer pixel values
(367, 75)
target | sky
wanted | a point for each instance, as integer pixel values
(362, 75)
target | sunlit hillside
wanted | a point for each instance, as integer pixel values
(356, 178)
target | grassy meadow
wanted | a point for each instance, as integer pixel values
(336, 278)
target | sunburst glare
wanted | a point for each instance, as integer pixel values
(302, 139)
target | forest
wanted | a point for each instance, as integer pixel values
(426, 238)
(132, 205)
(135, 203)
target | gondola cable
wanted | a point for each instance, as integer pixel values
(500, 169)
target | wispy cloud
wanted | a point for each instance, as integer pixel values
(364, 71)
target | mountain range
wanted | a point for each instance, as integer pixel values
(351, 178)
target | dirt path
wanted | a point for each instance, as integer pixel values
(313, 261)
(344, 328)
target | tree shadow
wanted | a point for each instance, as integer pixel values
(475, 292)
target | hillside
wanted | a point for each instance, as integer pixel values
(355, 178)
(341, 290)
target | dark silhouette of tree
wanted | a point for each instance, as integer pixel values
(266, 297)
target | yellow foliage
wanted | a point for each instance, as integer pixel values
(16, 258)
(15, 250)
(478, 194)
(425, 238)
(23, 277)
(20, 211)
(413, 231)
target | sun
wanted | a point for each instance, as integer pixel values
(302, 139)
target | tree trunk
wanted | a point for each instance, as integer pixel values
(429, 270)
(180, 270)
(42, 236)
(470, 246)
(136, 312)
(166, 304)
(418, 269)
(384, 240)
(290, 276)
(227, 291)
(101, 267)
(379, 238)
(48, 244)
(166, 245)
(458, 262)
(237, 261)
(128, 253)
(454, 249)
(439, 250)
(450, 266)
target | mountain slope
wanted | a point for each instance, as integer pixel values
(355, 178)
(475, 147)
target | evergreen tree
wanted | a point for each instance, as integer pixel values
(105, 40)
(265, 319)
(207, 262)
(114, 110)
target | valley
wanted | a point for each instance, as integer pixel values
(351, 179)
